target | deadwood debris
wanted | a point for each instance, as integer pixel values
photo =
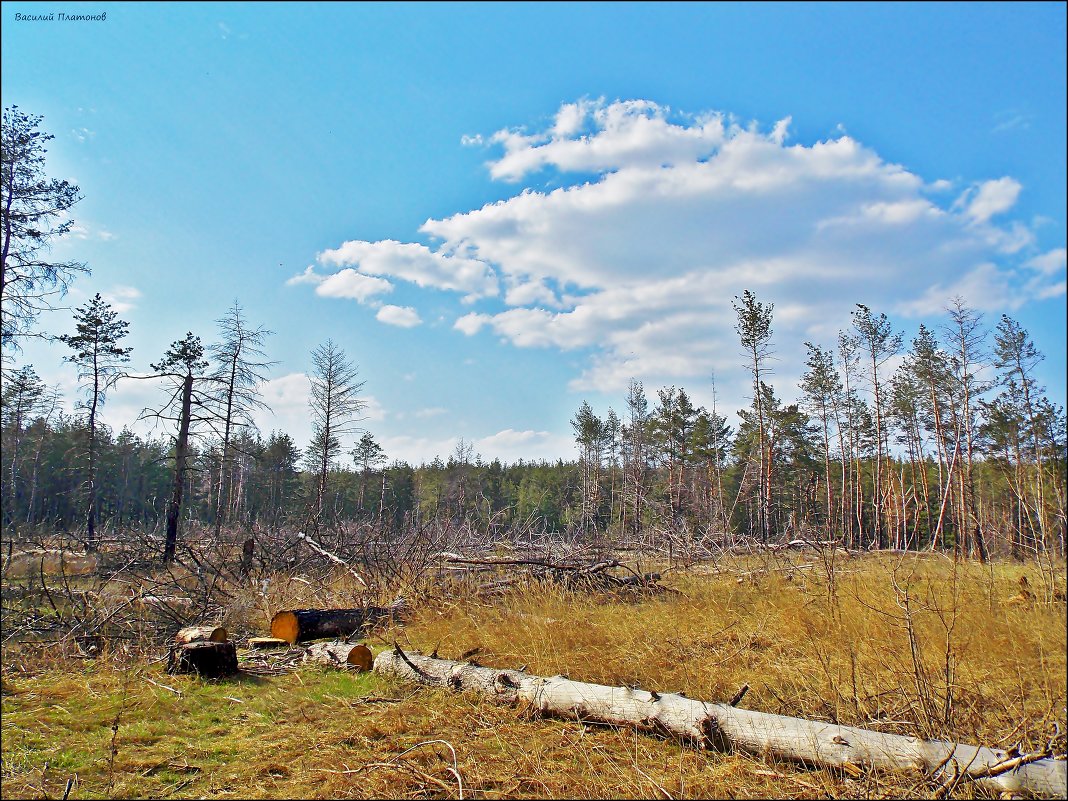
(576, 575)
(723, 727)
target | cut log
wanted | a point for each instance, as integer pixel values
(340, 654)
(301, 625)
(201, 634)
(50, 562)
(209, 659)
(723, 727)
(267, 642)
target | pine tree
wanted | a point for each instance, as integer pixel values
(99, 359)
(880, 344)
(23, 398)
(823, 390)
(589, 434)
(1015, 359)
(335, 404)
(635, 458)
(967, 335)
(754, 330)
(32, 208)
(183, 364)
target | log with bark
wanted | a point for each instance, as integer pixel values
(209, 659)
(724, 727)
(300, 625)
(340, 655)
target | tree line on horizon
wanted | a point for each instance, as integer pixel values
(929, 454)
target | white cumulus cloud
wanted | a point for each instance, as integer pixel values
(415, 263)
(662, 218)
(992, 197)
(402, 316)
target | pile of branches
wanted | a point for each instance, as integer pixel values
(573, 574)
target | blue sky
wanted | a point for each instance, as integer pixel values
(498, 211)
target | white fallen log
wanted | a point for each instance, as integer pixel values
(724, 727)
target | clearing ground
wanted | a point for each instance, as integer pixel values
(909, 644)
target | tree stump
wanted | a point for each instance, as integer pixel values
(212, 660)
(247, 552)
(90, 645)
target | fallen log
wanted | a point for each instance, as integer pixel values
(723, 727)
(201, 634)
(50, 562)
(339, 654)
(211, 660)
(300, 625)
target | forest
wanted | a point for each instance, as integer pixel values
(925, 456)
(946, 442)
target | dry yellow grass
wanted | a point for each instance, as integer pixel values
(847, 658)
(805, 651)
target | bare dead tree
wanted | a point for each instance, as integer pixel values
(335, 404)
(240, 369)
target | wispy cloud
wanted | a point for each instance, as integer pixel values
(1011, 120)
(989, 198)
(87, 231)
(415, 263)
(433, 411)
(122, 298)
